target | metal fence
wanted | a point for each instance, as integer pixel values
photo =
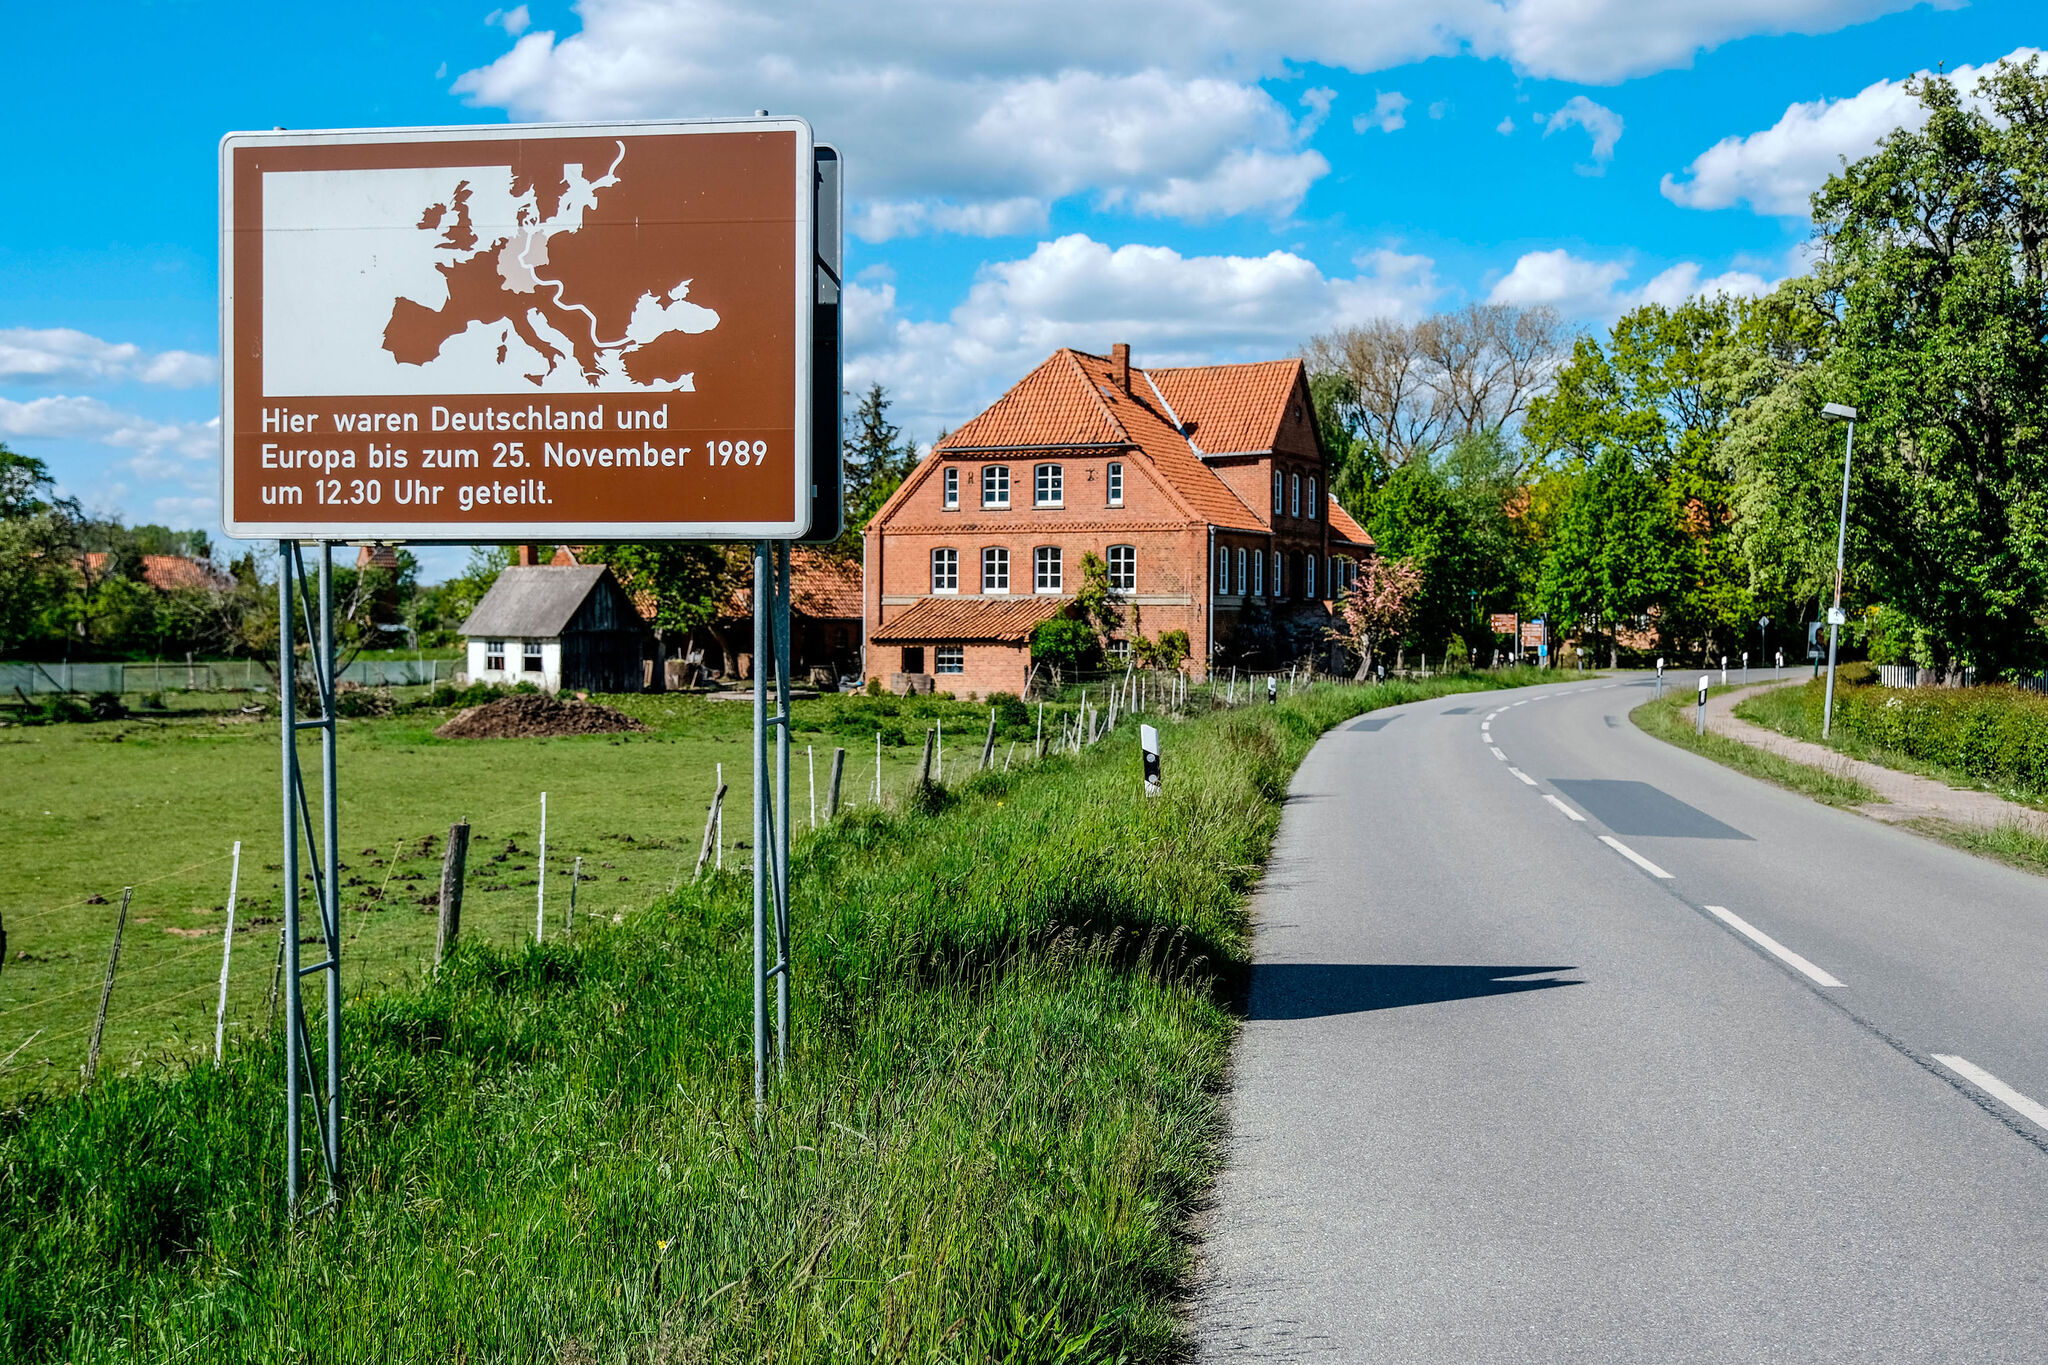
(243, 675)
(1909, 675)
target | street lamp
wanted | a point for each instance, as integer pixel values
(1763, 640)
(1840, 412)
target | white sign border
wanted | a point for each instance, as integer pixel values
(804, 278)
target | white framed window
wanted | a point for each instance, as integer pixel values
(1045, 569)
(1119, 650)
(1294, 494)
(1258, 575)
(949, 659)
(1113, 481)
(1222, 569)
(1241, 582)
(995, 569)
(494, 656)
(1315, 509)
(1123, 568)
(945, 571)
(995, 485)
(530, 658)
(1047, 486)
(1276, 492)
(952, 489)
(1279, 580)
(1308, 586)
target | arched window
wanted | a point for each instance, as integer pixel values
(1295, 495)
(995, 569)
(945, 571)
(1315, 509)
(1276, 492)
(1222, 569)
(1308, 586)
(1046, 573)
(1240, 572)
(1258, 575)
(952, 489)
(1279, 582)
(1123, 568)
(995, 485)
(1113, 483)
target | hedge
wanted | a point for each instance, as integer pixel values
(1994, 734)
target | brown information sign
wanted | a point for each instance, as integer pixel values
(575, 331)
(1504, 623)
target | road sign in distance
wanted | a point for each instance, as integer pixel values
(578, 331)
(1503, 622)
(1837, 617)
(1532, 634)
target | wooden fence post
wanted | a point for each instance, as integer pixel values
(453, 859)
(924, 765)
(99, 1023)
(575, 880)
(710, 829)
(832, 786)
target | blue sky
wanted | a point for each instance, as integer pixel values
(1206, 180)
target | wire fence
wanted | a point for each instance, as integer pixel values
(230, 675)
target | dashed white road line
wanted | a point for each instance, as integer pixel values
(1526, 779)
(1563, 807)
(1997, 1089)
(1771, 945)
(1499, 755)
(1638, 859)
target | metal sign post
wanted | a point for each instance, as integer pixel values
(294, 613)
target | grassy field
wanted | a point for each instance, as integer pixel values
(157, 804)
(1011, 1028)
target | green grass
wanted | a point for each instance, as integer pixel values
(2008, 843)
(1795, 711)
(1671, 720)
(1010, 1034)
(157, 803)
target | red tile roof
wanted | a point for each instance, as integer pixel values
(1229, 409)
(1005, 620)
(821, 586)
(166, 573)
(1073, 400)
(1344, 525)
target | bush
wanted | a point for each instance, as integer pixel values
(1993, 734)
(62, 708)
(359, 702)
(446, 695)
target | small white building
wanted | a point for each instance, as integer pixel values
(557, 626)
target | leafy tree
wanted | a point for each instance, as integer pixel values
(877, 457)
(1614, 554)
(684, 586)
(26, 488)
(1417, 518)
(1376, 608)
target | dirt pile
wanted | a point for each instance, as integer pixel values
(534, 716)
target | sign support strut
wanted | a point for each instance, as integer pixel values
(296, 612)
(771, 808)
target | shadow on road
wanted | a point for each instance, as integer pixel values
(1314, 990)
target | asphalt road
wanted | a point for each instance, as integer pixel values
(1518, 1086)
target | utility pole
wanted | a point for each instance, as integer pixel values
(1836, 618)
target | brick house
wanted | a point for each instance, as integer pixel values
(1205, 489)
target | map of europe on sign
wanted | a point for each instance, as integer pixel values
(466, 279)
(590, 330)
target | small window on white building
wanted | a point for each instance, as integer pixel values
(952, 489)
(1123, 568)
(494, 656)
(1048, 486)
(945, 571)
(1045, 569)
(1295, 494)
(995, 569)
(949, 659)
(530, 657)
(995, 485)
(1113, 480)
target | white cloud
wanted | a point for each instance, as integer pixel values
(1317, 101)
(62, 355)
(155, 444)
(1439, 108)
(962, 104)
(1506, 126)
(1389, 114)
(1075, 291)
(1594, 290)
(513, 21)
(1602, 124)
(1778, 169)
(879, 220)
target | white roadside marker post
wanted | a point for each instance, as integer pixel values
(227, 947)
(1148, 749)
(540, 868)
(1700, 720)
(1660, 679)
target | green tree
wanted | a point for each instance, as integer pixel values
(1416, 518)
(1614, 554)
(877, 457)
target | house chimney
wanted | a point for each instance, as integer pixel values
(529, 555)
(1120, 363)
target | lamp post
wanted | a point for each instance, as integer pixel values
(1844, 413)
(1763, 641)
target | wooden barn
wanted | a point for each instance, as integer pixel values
(570, 626)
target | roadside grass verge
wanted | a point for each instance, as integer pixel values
(1010, 1028)
(1671, 720)
(1995, 742)
(2008, 843)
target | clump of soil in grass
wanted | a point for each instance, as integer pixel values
(536, 715)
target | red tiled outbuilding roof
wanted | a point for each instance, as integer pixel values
(821, 586)
(971, 620)
(1346, 527)
(167, 573)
